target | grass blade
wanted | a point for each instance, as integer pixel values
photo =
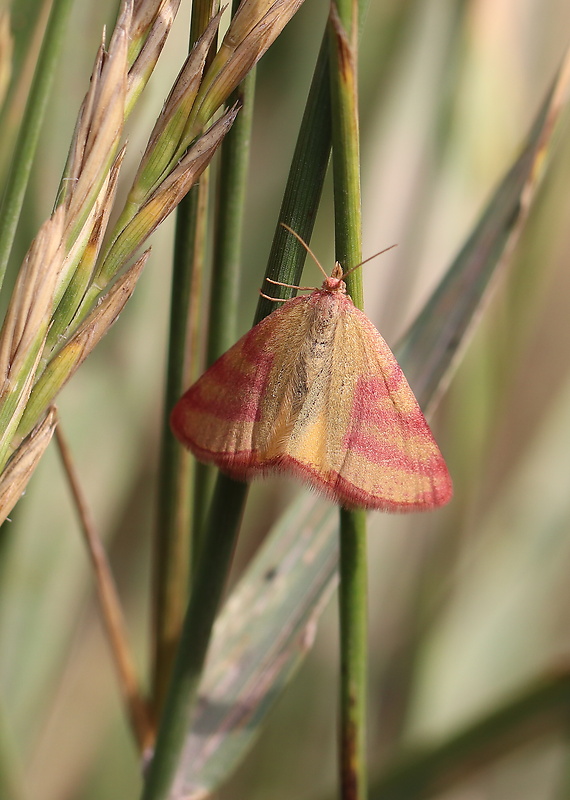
(285, 588)
(430, 347)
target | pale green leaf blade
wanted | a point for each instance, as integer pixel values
(261, 637)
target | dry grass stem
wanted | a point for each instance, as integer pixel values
(110, 605)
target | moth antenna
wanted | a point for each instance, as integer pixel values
(273, 299)
(366, 260)
(307, 248)
(291, 285)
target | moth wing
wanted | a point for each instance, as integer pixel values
(368, 444)
(229, 416)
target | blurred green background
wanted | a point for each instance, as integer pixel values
(467, 603)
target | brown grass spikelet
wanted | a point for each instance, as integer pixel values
(25, 326)
(99, 126)
(150, 27)
(253, 29)
(74, 351)
(20, 468)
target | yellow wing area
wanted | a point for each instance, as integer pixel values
(367, 443)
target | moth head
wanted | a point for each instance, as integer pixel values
(335, 283)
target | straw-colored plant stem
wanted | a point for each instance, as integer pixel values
(110, 604)
(353, 565)
(30, 129)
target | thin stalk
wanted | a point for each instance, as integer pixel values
(304, 187)
(213, 567)
(174, 547)
(353, 566)
(343, 29)
(28, 136)
(174, 550)
(24, 59)
(201, 487)
(234, 164)
(197, 321)
(174, 503)
(224, 294)
(346, 143)
(110, 605)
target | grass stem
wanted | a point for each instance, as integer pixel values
(343, 30)
(111, 610)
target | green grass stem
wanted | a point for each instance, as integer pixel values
(172, 536)
(28, 136)
(174, 546)
(353, 567)
(231, 193)
(213, 567)
(224, 292)
(304, 187)
(353, 564)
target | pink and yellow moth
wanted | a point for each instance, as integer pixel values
(315, 391)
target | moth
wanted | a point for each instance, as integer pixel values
(313, 390)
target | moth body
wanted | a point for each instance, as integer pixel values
(315, 391)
